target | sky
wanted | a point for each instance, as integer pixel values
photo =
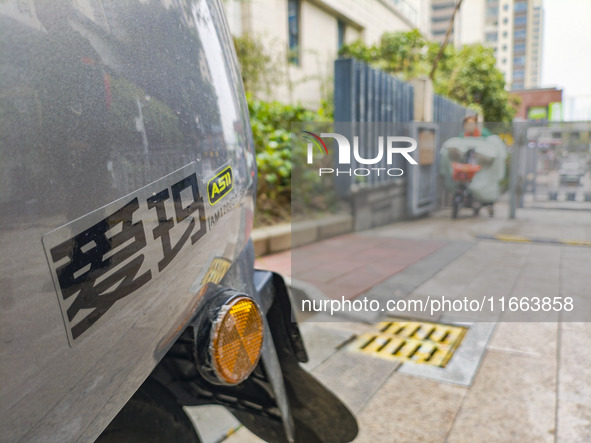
(566, 54)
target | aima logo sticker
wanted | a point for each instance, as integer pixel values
(393, 145)
(220, 185)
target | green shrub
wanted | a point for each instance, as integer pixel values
(271, 129)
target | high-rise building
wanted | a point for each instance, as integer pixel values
(505, 39)
(513, 28)
(534, 45)
(523, 71)
(441, 12)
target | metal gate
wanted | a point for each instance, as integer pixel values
(381, 103)
(421, 185)
(555, 166)
(449, 117)
(365, 95)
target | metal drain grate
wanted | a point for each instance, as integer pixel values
(419, 342)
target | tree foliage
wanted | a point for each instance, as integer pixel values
(271, 130)
(258, 67)
(467, 75)
(472, 78)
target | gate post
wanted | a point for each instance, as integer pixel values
(520, 130)
(423, 99)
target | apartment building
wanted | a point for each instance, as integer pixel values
(534, 26)
(519, 48)
(513, 28)
(306, 35)
(441, 12)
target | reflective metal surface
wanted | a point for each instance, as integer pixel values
(100, 102)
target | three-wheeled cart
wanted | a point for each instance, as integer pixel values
(472, 168)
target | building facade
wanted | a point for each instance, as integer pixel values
(533, 66)
(305, 36)
(513, 28)
(441, 12)
(539, 104)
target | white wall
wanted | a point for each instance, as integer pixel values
(373, 16)
(505, 41)
(534, 51)
(310, 82)
(470, 28)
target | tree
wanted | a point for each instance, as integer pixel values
(258, 66)
(472, 79)
(468, 75)
(402, 53)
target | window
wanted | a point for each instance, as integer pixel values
(504, 48)
(439, 31)
(519, 34)
(518, 86)
(520, 6)
(505, 34)
(341, 33)
(504, 61)
(521, 20)
(519, 47)
(505, 20)
(491, 37)
(440, 19)
(293, 30)
(442, 6)
(519, 74)
(519, 60)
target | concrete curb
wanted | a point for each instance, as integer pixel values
(522, 239)
(278, 238)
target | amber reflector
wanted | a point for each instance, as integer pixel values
(237, 340)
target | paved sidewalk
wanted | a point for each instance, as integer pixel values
(349, 265)
(506, 382)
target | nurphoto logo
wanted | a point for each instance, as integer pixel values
(393, 145)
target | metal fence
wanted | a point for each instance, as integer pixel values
(554, 167)
(369, 96)
(449, 116)
(364, 94)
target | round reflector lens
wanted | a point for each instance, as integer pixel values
(237, 340)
